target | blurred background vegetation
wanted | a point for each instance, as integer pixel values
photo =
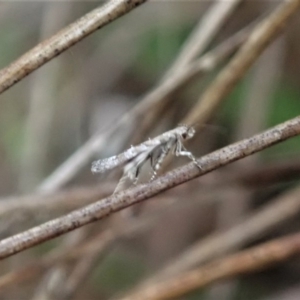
(47, 116)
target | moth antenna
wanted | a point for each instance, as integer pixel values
(217, 128)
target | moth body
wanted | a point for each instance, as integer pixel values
(155, 150)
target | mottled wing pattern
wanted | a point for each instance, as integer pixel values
(154, 150)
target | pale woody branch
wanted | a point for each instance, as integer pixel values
(261, 36)
(109, 205)
(63, 40)
(254, 259)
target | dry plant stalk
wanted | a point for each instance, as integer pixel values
(90, 247)
(110, 205)
(251, 260)
(268, 218)
(263, 33)
(63, 40)
(204, 33)
(60, 201)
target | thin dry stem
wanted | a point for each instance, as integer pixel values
(237, 201)
(262, 35)
(266, 219)
(60, 201)
(64, 39)
(283, 208)
(264, 79)
(41, 106)
(93, 246)
(110, 205)
(208, 62)
(79, 274)
(203, 34)
(251, 260)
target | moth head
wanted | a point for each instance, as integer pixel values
(188, 133)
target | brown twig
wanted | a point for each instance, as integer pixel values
(107, 206)
(237, 200)
(86, 248)
(260, 223)
(197, 68)
(203, 34)
(70, 199)
(282, 209)
(271, 173)
(251, 260)
(41, 107)
(94, 244)
(263, 33)
(60, 201)
(266, 219)
(64, 39)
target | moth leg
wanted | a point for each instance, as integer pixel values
(136, 170)
(156, 165)
(132, 171)
(181, 151)
(121, 183)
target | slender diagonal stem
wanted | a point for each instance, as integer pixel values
(63, 40)
(110, 205)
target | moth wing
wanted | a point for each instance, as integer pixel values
(132, 168)
(156, 154)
